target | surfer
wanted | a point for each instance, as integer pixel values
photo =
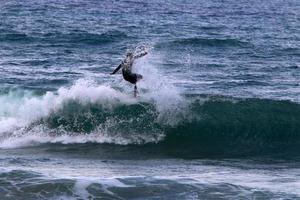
(126, 66)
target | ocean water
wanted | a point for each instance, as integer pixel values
(217, 115)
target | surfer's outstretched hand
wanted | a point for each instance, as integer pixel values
(142, 49)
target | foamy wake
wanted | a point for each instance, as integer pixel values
(20, 112)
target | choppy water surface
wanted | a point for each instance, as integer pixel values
(217, 117)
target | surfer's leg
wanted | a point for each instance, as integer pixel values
(137, 78)
(131, 77)
(135, 92)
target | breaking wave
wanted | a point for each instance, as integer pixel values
(170, 123)
(194, 124)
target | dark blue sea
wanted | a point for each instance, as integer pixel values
(217, 115)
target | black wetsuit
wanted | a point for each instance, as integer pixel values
(126, 66)
(131, 77)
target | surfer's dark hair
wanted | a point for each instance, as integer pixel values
(129, 54)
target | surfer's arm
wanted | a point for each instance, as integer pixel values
(117, 69)
(140, 55)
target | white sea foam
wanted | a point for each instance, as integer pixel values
(20, 112)
(159, 90)
(41, 134)
(30, 109)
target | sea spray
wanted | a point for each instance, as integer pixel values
(105, 114)
(170, 104)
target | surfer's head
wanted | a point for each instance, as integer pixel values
(129, 55)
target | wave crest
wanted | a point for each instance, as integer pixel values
(196, 125)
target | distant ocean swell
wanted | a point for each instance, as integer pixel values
(74, 36)
(208, 42)
(89, 38)
(196, 125)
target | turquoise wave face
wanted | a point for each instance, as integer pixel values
(242, 127)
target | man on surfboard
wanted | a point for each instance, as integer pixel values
(126, 66)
